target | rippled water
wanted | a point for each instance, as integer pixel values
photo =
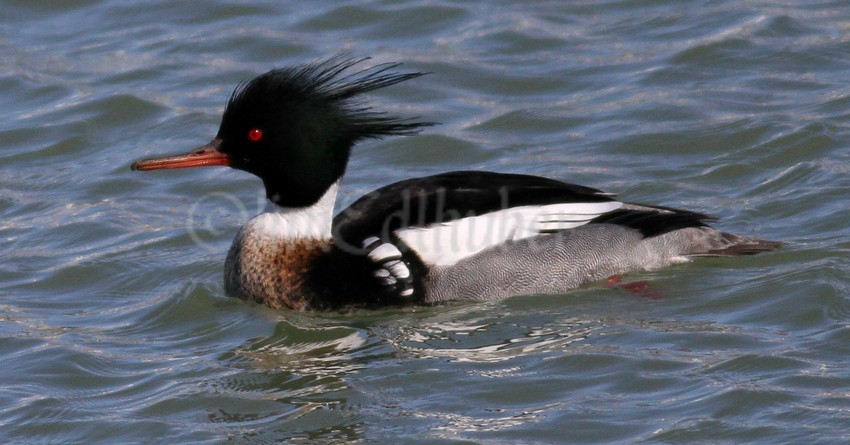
(115, 327)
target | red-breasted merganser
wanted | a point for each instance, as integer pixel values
(459, 235)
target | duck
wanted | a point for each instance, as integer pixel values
(460, 235)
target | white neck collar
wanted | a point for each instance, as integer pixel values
(313, 222)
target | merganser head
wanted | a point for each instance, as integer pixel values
(294, 128)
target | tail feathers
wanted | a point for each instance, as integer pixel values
(734, 245)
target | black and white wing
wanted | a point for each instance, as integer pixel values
(442, 219)
(411, 226)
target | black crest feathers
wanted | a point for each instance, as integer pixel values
(330, 84)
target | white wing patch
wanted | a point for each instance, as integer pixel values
(392, 271)
(447, 243)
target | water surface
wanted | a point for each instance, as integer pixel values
(116, 329)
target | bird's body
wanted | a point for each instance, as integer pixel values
(458, 235)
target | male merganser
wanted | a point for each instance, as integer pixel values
(459, 235)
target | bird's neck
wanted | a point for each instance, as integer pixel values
(298, 223)
(273, 254)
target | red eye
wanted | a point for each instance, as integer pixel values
(255, 134)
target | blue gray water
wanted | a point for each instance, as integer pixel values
(114, 326)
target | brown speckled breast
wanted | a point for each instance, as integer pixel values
(271, 270)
